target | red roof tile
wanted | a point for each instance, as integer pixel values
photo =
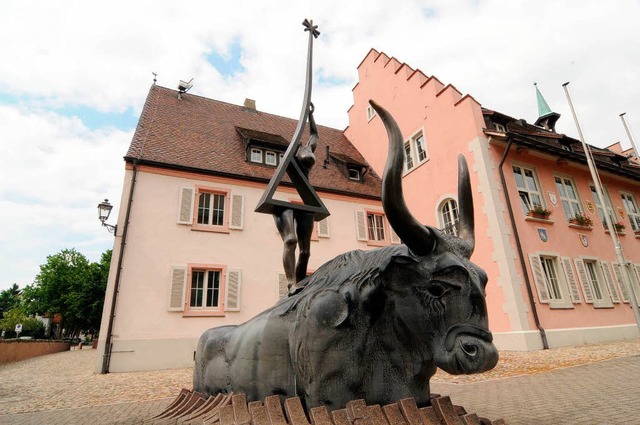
(207, 135)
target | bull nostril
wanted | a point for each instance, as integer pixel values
(469, 349)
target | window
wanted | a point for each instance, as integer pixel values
(211, 208)
(205, 289)
(500, 127)
(568, 196)
(270, 158)
(551, 277)
(354, 174)
(592, 280)
(408, 157)
(631, 207)
(375, 227)
(370, 112)
(415, 151)
(449, 217)
(554, 280)
(528, 188)
(599, 207)
(256, 155)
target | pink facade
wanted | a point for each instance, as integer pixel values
(453, 123)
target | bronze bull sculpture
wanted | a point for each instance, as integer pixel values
(367, 324)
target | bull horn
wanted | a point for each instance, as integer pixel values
(420, 239)
(465, 204)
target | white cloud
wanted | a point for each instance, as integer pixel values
(100, 57)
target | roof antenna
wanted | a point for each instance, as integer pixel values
(155, 77)
(183, 87)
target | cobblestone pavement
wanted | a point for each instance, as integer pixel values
(62, 388)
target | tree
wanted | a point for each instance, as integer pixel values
(30, 325)
(9, 299)
(70, 286)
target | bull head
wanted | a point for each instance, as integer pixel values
(439, 294)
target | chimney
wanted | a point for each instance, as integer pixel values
(250, 104)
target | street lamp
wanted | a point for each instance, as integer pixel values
(104, 209)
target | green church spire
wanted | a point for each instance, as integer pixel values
(543, 106)
(546, 117)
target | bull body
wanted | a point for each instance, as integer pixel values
(373, 325)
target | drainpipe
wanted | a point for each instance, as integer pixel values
(543, 334)
(108, 345)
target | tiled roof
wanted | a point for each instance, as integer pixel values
(206, 135)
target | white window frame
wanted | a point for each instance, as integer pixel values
(212, 205)
(256, 155)
(415, 151)
(631, 208)
(599, 208)
(448, 216)
(376, 231)
(499, 127)
(527, 204)
(370, 113)
(273, 155)
(570, 205)
(206, 274)
(593, 267)
(354, 174)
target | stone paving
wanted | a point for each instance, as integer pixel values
(525, 388)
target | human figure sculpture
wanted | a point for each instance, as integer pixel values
(295, 227)
(370, 325)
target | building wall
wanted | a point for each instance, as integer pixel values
(583, 318)
(452, 124)
(146, 334)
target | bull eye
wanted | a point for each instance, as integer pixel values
(437, 289)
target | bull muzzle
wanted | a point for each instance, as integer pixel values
(468, 349)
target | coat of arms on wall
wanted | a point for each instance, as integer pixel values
(543, 234)
(583, 239)
(552, 198)
(590, 207)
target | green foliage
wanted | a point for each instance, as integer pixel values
(9, 299)
(70, 286)
(30, 325)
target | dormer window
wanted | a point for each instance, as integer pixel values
(270, 158)
(500, 127)
(256, 155)
(354, 174)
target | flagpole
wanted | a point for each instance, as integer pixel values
(633, 142)
(617, 246)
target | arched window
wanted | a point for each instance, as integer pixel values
(449, 216)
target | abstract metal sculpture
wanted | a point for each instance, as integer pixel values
(295, 221)
(372, 325)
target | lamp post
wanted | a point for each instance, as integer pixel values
(104, 209)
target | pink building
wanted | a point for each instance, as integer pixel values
(197, 255)
(553, 279)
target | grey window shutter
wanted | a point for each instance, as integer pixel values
(617, 274)
(539, 278)
(584, 282)
(283, 289)
(232, 300)
(323, 228)
(613, 292)
(361, 225)
(185, 206)
(178, 283)
(571, 280)
(237, 212)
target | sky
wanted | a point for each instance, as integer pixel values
(74, 76)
